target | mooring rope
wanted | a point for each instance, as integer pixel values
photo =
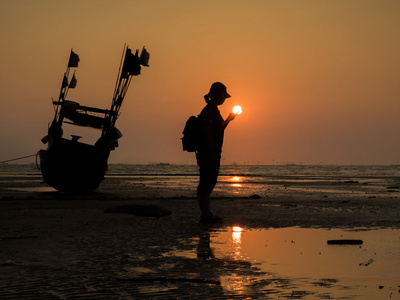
(5, 161)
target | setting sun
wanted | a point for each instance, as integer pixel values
(237, 110)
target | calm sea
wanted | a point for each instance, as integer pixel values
(239, 180)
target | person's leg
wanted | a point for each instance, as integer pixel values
(207, 184)
(204, 203)
(208, 179)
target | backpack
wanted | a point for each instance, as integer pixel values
(192, 135)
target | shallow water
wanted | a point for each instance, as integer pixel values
(234, 180)
(245, 181)
(298, 263)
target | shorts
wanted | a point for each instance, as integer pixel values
(208, 172)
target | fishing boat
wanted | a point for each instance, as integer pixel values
(67, 164)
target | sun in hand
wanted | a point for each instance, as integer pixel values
(237, 110)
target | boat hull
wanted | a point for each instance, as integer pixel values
(73, 167)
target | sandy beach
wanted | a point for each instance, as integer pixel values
(136, 241)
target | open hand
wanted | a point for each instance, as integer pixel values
(231, 116)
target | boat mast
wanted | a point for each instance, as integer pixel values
(130, 66)
(72, 63)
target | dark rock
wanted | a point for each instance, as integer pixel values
(254, 196)
(367, 263)
(345, 242)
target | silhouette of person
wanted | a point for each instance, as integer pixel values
(209, 154)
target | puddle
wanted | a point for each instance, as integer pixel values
(298, 263)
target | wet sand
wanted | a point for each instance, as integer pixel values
(57, 246)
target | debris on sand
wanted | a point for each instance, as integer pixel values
(345, 242)
(367, 263)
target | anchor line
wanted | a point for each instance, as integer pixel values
(13, 159)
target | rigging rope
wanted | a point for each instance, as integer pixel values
(1, 162)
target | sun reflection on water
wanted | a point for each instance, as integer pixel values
(235, 282)
(237, 241)
(236, 181)
(237, 235)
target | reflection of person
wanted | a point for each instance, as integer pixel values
(203, 247)
(209, 154)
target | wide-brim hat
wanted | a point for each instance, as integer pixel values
(218, 88)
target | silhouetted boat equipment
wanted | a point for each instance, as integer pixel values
(69, 165)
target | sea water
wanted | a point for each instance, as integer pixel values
(234, 180)
(262, 180)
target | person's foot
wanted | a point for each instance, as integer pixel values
(211, 219)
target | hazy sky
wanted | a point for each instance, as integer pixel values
(318, 80)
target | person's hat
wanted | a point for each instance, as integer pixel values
(218, 88)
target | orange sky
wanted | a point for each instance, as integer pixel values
(318, 80)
